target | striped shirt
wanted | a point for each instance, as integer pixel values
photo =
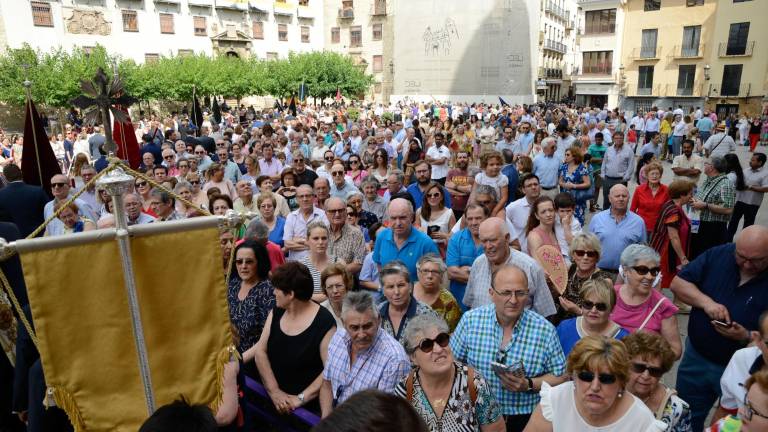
(380, 367)
(477, 342)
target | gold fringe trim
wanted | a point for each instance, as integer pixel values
(66, 401)
(225, 356)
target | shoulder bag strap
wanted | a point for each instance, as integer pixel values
(668, 392)
(718, 143)
(471, 384)
(409, 386)
(653, 311)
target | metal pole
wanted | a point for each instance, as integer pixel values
(116, 183)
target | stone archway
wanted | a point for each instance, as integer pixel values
(232, 43)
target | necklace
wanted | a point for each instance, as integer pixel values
(440, 403)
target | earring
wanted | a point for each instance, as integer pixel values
(621, 393)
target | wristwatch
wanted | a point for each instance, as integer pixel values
(300, 396)
(530, 386)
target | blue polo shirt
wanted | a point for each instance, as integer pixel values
(716, 274)
(418, 196)
(414, 248)
(615, 237)
(461, 252)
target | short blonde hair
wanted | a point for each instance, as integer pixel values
(654, 166)
(602, 288)
(593, 352)
(336, 269)
(585, 241)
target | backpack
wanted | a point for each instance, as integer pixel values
(470, 385)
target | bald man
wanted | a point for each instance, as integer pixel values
(727, 287)
(295, 229)
(400, 241)
(617, 228)
(60, 187)
(494, 236)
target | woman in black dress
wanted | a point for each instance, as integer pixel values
(292, 350)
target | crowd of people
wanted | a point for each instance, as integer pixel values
(417, 249)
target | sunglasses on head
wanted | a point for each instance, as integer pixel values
(427, 345)
(580, 253)
(639, 368)
(643, 270)
(588, 377)
(588, 305)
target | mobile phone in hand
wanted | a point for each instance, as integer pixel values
(721, 323)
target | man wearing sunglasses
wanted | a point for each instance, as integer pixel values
(727, 288)
(341, 186)
(523, 342)
(60, 188)
(304, 175)
(361, 355)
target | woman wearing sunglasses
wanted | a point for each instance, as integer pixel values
(639, 306)
(448, 395)
(597, 302)
(199, 197)
(595, 398)
(650, 358)
(356, 171)
(585, 253)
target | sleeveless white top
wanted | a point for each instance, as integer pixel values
(443, 221)
(559, 407)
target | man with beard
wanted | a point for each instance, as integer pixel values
(423, 178)
(362, 343)
(459, 183)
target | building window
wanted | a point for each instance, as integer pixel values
(186, 53)
(685, 77)
(41, 14)
(347, 4)
(303, 2)
(380, 7)
(648, 43)
(166, 23)
(282, 32)
(258, 30)
(305, 34)
(652, 5)
(200, 28)
(694, 2)
(355, 36)
(130, 21)
(600, 21)
(378, 63)
(150, 58)
(737, 39)
(645, 80)
(335, 35)
(271, 56)
(691, 38)
(377, 31)
(731, 80)
(597, 62)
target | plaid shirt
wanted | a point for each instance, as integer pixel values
(477, 342)
(717, 190)
(380, 367)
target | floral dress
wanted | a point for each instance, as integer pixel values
(676, 413)
(459, 415)
(576, 177)
(249, 315)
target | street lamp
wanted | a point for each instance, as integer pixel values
(707, 76)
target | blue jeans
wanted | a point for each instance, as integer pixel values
(698, 383)
(677, 142)
(704, 136)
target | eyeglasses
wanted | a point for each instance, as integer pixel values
(643, 270)
(509, 294)
(434, 195)
(141, 184)
(334, 211)
(335, 287)
(184, 166)
(240, 261)
(337, 173)
(749, 411)
(580, 253)
(588, 305)
(200, 152)
(354, 162)
(168, 157)
(194, 182)
(305, 196)
(299, 160)
(53, 185)
(328, 159)
(640, 368)
(588, 377)
(427, 345)
(483, 203)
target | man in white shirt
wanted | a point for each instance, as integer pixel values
(719, 144)
(564, 141)
(438, 157)
(748, 200)
(518, 211)
(688, 166)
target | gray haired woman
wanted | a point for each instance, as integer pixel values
(400, 306)
(431, 289)
(638, 305)
(448, 395)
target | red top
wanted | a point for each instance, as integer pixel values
(648, 206)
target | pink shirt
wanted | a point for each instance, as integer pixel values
(630, 317)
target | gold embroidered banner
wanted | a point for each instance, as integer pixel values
(83, 324)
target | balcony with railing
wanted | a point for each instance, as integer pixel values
(556, 10)
(696, 90)
(653, 90)
(744, 90)
(598, 68)
(688, 52)
(555, 46)
(346, 13)
(645, 53)
(736, 50)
